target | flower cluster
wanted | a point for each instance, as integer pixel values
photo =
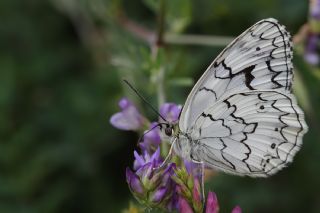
(173, 186)
(189, 191)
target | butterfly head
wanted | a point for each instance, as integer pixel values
(170, 130)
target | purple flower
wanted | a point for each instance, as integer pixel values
(141, 160)
(189, 189)
(195, 169)
(311, 51)
(150, 184)
(170, 111)
(315, 9)
(159, 194)
(134, 182)
(312, 58)
(151, 139)
(174, 201)
(184, 206)
(212, 205)
(129, 118)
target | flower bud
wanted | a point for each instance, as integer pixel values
(236, 209)
(184, 206)
(212, 205)
(134, 182)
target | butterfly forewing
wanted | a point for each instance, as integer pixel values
(260, 58)
(241, 117)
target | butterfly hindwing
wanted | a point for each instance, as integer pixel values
(259, 59)
(253, 133)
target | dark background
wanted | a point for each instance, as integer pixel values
(61, 65)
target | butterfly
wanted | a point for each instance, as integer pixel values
(241, 116)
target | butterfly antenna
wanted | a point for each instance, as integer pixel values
(144, 100)
(149, 130)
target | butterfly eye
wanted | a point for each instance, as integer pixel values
(168, 131)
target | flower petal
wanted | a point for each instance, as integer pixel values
(145, 172)
(133, 117)
(169, 171)
(156, 156)
(134, 182)
(139, 161)
(151, 139)
(119, 121)
(173, 202)
(159, 194)
(194, 169)
(129, 118)
(170, 111)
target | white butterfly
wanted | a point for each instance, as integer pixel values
(241, 117)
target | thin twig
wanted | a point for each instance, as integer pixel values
(160, 38)
(197, 40)
(161, 23)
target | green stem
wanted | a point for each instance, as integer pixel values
(155, 49)
(160, 74)
(160, 86)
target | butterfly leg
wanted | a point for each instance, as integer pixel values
(202, 170)
(169, 155)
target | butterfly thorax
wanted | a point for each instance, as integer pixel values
(176, 130)
(183, 146)
(181, 141)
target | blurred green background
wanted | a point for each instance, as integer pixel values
(61, 65)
